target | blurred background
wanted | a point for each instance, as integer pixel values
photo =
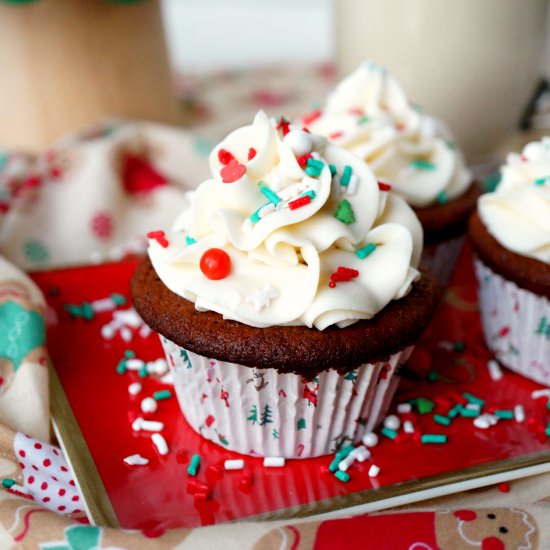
(67, 64)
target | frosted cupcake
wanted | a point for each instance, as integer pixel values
(287, 294)
(369, 114)
(511, 235)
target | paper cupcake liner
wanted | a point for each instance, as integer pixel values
(441, 258)
(263, 413)
(516, 324)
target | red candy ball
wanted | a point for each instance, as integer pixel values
(215, 264)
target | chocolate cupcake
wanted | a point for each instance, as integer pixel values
(369, 114)
(287, 295)
(510, 233)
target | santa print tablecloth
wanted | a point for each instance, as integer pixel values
(92, 198)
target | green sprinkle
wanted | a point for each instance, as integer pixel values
(442, 198)
(3, 159)
(455, 411)
(422, 164)
(313, 172)
(451, 145)
(129, 354)
(256, 216)
(142, 373)
(459, 346)
(194, 465)
(346, 176)
(311, 194)
(433, 438)
(391, 434)
(118, 299)
(473, 399)
(344, 212)
(189, 240)
(505, 415)
(333, 170)
(490, 183)
(334, 464)
(542, 181)
(161, 395)
(344, 452)
(424, 405)
(432, 376)
(440, 419)
(362, 253)
(548, 405)
(269, 194)
(547, 431)
(314, 163)
(7, 482)
(342, 476)
(121, 367)
(363, 119)
(469, 413)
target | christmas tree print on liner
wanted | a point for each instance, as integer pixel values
(265, 417)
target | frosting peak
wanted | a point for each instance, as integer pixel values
(517, 213)
(309, 236)
(369, 113)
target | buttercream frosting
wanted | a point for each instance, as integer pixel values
(369, 113)
(517, 213)
(311, 238)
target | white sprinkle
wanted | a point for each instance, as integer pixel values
(248, 225)
(126, 334)
(160, 443)
(345, 463)
(266, 209)
(537, 394)
(361, 453)
(374, 470)
(233, 465)
(145, 331)
(135, 460)
(292, 191)
(299, 142)
(473, 407)
(129, 317)
(135, 388)
(392, 422)
(134, 364)
(352, 185)
(495, 371)
(370, 439)
(404, 408)
(108, 332)
(147, 425)
(105, 304)
(158, 367)
(408, 427)
(168, 378)
(519, 413)
(485, 421)
(149, 405)
(274, 462)
(446, 345)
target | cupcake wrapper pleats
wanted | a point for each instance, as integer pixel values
(261, 412)
(516, 324)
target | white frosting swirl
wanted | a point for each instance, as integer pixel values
(369, 114)
(282, 260)
(517, 213)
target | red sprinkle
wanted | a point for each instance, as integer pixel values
(384, 186)
(310, 117)
(283, 124)
(302, 160)
(215, 264)
(342, 274)
(504, 331)
(336, 135)
(251, 153)
(225, 156)
(160, 237)
(504, 487)
(357, 111)
(298, 203)
(233, 171)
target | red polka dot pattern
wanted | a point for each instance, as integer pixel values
(51, 482)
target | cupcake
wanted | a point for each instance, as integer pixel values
(510, 232)
(287, 295)
(369, 114)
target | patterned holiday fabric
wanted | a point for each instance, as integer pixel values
(91, 198)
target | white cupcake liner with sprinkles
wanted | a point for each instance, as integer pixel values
(442, 257)
(260, 412)
(516, 324)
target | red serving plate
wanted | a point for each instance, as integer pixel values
(93, 411)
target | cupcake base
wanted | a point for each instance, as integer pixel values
(516, 324)
(263, 412)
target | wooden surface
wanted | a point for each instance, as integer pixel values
(70, 63)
